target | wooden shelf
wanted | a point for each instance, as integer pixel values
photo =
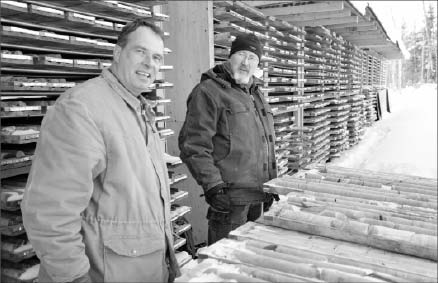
(100, 10)
(49, 70)
(63, 26)
(179, 242)
(179, 229)
(22, 168)
(179, 211)
(50, 49)
(36, 44)
(177, 195)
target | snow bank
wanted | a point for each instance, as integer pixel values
(405, 141)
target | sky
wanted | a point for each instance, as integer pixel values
(392, 14)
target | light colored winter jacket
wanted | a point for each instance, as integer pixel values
(97, 199)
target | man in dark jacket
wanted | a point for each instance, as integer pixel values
(227, 140)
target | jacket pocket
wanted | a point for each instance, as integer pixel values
(223, 140)
(238, 108)
(239, 120)
(134, 259)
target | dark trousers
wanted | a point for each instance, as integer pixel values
(220, 224)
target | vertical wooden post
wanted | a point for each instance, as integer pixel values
(191, 41)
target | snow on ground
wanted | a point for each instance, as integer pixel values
(405, 140)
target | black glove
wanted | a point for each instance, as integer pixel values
(269, 201)
(218, 198)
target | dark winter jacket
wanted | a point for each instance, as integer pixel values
(228, 136)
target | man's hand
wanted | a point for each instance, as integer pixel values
(218, 198)
(269, 201)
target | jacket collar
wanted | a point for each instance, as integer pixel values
(131, 99)
(222, 75)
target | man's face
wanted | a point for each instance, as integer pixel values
(243, 65)
(138, 63)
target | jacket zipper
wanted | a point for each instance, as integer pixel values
(266, 144)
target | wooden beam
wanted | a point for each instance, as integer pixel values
(374, 45)
(385, 47)
(358, 43)
(315, 16)
(185, 15)
(359, 24)
(362, 33)
(369, 43)
(264, 3)
(411, 269)
(324, 22)
(325, 6)
(364, 37)
(389, 239)
(351, 29)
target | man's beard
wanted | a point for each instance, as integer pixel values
(241, 78)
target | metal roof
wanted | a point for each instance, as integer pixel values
(341, 17)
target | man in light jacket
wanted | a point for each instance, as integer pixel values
(227, 139)
(96, 206)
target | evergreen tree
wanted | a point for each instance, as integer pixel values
(422, 46)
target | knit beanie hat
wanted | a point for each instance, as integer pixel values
(248, 42)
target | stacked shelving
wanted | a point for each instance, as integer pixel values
(376, 72)
(356, 101)
(370, 106)
(321, 76)
(370, 67)
(355, 123)
(339, 115)
(353, 68)
(181, 226)
(339, 108)
(364, 84)
(284, 89)
(352, 60)
(384, 73)
(365, 70)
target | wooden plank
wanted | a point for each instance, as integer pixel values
(373, 37)
(236, 252)
(323, 6)
(315, 15)
(283, 185)
(408, 268)
(24, 169)
(324, 22)
(389, 177)
(196, 272)
(341, 31)
(373, 217)
(374, 182)
(359, 24)
(259, 4)
(405, 242)
(239, 255)
(363, 33)
(331, 272)
(383, 189)
(372, 45)
(358, 210)
(400, 211)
